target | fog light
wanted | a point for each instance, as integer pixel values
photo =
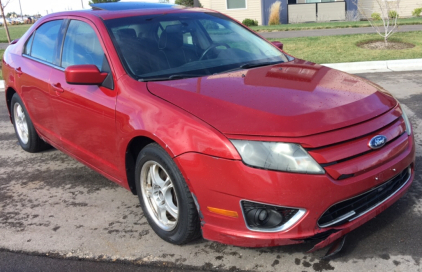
(263, 217)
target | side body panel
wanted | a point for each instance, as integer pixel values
(139, 113)
(33, 84)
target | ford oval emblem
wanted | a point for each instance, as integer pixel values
(377, 142)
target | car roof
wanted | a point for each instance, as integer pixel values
(129, 6)
(114, 10)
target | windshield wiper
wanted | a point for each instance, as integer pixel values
(172, 77)
(252, 65)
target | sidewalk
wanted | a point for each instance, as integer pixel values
(331, 32)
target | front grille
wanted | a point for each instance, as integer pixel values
(355, 207)
(352, 156)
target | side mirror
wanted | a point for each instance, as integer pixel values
(278, 44)
(84, 75)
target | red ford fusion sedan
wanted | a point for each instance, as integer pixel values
(218, 131)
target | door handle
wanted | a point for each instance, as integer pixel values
(18, 71)
(58, 87)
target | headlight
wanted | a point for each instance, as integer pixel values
(277, 156)
(407, 122)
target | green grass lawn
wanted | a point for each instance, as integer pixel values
(335, 49)
(304, 26)
(16, 31)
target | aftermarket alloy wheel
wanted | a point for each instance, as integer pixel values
(164, 196)
(25, 131)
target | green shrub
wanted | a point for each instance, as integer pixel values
(376, 16)
(187, 3)
(250, 22)
(417, 12)
(392, 14)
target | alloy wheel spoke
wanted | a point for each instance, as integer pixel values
(21, 115)
(155, 176)
(168, 185)
(172, 210)
(148, 191)
(162, 214)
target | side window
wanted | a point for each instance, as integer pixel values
(81, 46)
(45, 41)
(28, 45)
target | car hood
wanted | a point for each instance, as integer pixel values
(291, 99)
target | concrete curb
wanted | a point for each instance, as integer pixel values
(378, 66)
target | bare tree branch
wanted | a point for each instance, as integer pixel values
(389, 25)
(6, 3)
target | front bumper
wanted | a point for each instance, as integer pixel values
(222, 183)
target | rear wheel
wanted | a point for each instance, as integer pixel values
(164, 196)
(25, 131)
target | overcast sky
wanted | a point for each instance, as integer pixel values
(32, 7)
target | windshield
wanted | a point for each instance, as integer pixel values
(171, 46)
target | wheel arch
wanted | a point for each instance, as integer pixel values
(9, 94)
(135, 146)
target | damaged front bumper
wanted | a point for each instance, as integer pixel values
(223, 184)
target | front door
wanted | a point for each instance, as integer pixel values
(85, 113)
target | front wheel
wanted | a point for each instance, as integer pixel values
(24, 128)
(164, 196)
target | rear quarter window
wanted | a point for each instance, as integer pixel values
(28, 45)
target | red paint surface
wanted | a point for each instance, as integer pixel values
(84, 74)
(331, 113)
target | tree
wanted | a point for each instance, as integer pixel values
(4, 18)
(102, 1)
(187, 3)
(387, 26)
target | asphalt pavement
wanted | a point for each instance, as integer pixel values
(58, 215)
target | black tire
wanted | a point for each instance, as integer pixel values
(188, 226)
(34, 143)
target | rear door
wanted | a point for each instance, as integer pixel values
(86, 113)
(33, 70)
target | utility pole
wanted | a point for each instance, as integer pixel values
(82, 2)
(21, 9)
(4, 22)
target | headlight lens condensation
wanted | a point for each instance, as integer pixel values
(286, 157)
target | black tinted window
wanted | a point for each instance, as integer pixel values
(28, 45)
(45, 41)
(81, 46)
